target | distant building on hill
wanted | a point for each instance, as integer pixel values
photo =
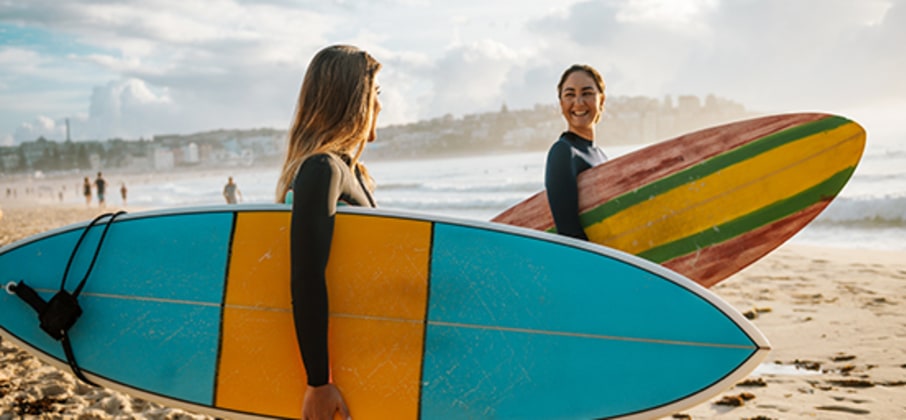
(627, 120)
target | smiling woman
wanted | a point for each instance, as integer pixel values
(581, 93)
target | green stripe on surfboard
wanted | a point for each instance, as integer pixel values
(711, 166)
(779, 210)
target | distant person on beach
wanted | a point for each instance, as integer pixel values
(581, 94)
(86, 191)
(101, 185)
(231, 192)
(123, 192)
(335, 119)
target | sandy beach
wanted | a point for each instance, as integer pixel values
(836, 319)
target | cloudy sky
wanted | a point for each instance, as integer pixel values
(133, 69)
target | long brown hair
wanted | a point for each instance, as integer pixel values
(334, 111)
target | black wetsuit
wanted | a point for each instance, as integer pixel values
(322, 182)
(566, 159)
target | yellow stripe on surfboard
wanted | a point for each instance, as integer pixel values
(383, 268)
(786, 171)
(383, 289)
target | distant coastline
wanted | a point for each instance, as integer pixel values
(627, 120)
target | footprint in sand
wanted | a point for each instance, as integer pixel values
(843, 409)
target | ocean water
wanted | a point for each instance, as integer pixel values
(869, 213)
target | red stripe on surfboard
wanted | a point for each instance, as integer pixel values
(728, 257)
(645, 166)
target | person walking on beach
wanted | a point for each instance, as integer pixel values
(231, 192)
(123, 192)
(86, 191)
(101, 184)
(581, 94)
(335, 119)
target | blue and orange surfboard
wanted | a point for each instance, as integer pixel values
(709, 203)
(430, 318)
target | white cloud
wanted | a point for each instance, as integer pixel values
(771, 55)
(125, 109)
(637, 55)
(222, 65)
(112, 63)
(776, 54)
(469, 78)
(41, 126)
(197, 65)
(19, 60)
(682, 15)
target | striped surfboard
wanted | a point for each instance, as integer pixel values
(709, 203)
(430, 318)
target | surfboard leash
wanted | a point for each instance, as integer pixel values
(59, 314)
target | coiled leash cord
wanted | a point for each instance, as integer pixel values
(59, 314)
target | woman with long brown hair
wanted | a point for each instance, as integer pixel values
(335, 119)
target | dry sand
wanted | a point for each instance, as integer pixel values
(835, 318)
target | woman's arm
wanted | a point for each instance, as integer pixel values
(315, 194)
(563, 190)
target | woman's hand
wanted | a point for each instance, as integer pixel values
(322, 402)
